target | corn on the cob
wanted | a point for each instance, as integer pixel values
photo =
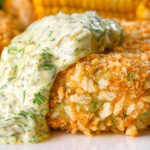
(107, 8)
(143, 10)
(107, 5)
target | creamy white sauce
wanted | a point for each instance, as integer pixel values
(30, 63)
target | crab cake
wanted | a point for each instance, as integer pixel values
(106, 92)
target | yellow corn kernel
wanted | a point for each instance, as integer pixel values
(106, 8)
(143, 10)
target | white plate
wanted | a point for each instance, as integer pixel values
(66, 141)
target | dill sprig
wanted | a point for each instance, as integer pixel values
(47, 63)
(38, 98)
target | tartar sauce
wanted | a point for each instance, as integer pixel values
(29, 65)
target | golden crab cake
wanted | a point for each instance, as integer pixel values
(7, 30)
(106, 92)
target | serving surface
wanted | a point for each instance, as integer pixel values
(81, 142)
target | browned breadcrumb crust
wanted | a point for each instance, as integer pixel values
(106, 92)
(7, 30)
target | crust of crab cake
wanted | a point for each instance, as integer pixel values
(106, 92)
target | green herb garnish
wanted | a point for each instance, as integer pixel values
(10, 79)
(13, 135)
(95, 105)
(53, 39)
(129, 76)
(46, 57)
(50, 33)
(39, 98)
(102, 103)
(47, 48)
(21, 51)
(28, 114)
(58, 103)
(12, 50)
(7, 119)
(3, 87)
(76, 49)
(15, 69)
(101, 34)
(47, 63)
(24, 95)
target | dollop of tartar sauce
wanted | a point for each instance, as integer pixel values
(31, 62)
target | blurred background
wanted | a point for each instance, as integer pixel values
(29, 10)
(16, 15)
